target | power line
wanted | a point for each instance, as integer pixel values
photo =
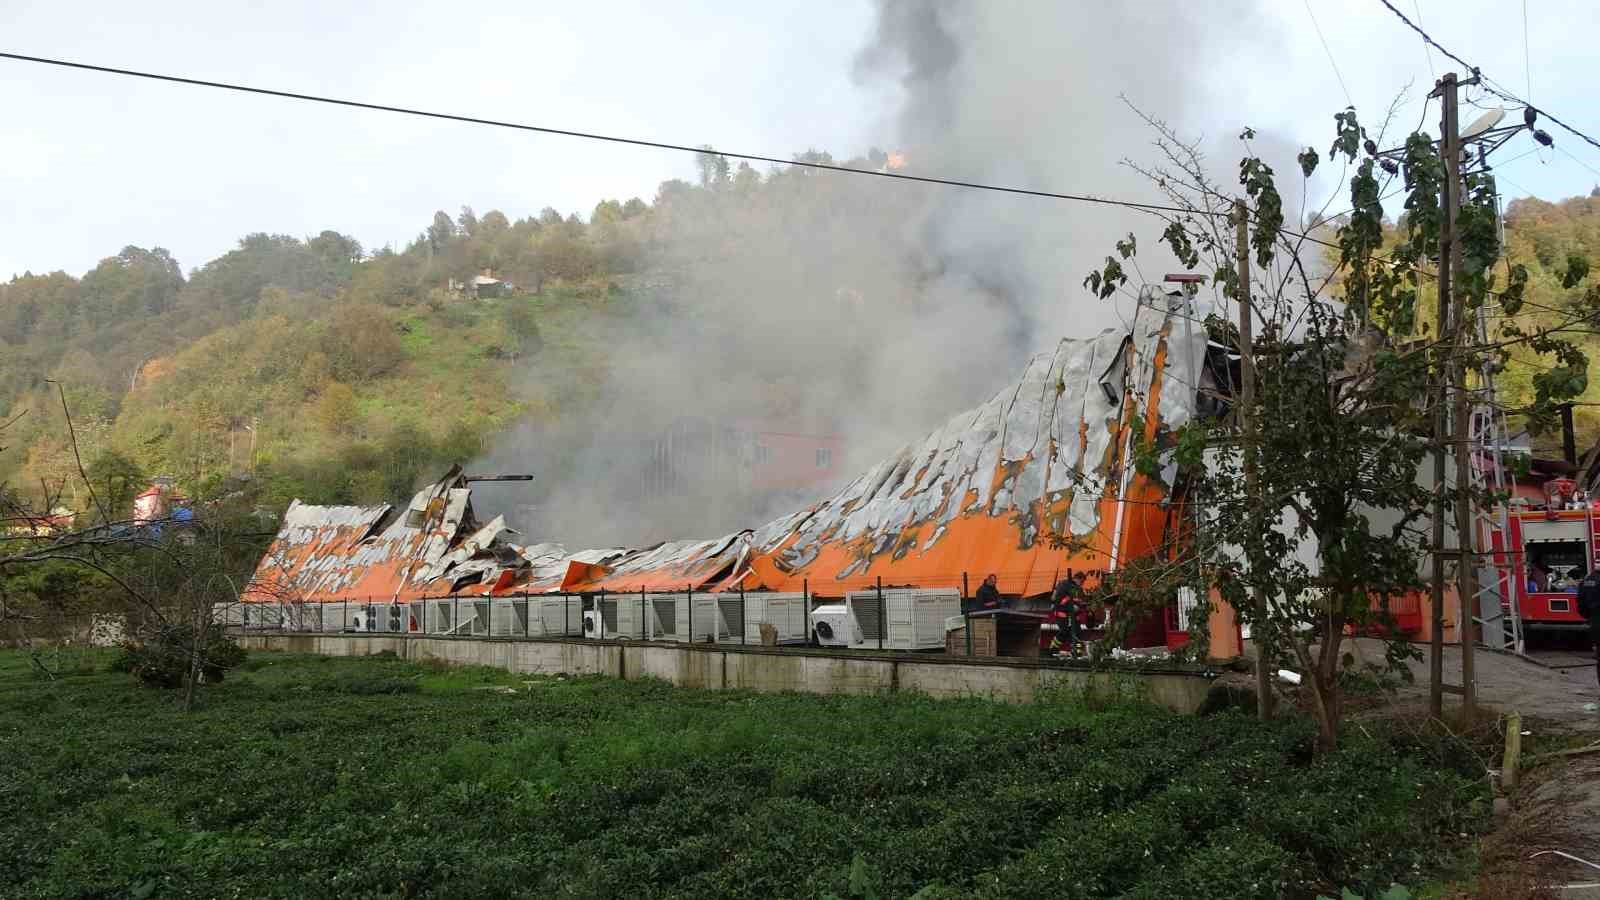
(1426, 53)
(1527, 59)
(592, 136)
(1336, 73)
(1489, 84)
(1580, 162)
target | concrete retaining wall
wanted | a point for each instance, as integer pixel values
(757, 669)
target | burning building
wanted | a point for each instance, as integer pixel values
(1037, 480)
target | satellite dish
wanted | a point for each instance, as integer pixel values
(1483, 123)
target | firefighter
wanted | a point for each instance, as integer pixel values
(989, 593)
(1066, 612)
(1589, 608)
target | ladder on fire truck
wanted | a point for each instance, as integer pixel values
(1498, 561)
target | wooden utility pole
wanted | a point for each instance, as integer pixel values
(1449, 272)
(1447, 90)
(1247, 432)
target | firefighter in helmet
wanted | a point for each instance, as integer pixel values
(1067, 612)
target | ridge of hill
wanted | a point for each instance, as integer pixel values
(340, 376)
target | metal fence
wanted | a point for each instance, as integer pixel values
(866, 615)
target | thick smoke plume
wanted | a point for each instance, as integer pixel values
(872, 308)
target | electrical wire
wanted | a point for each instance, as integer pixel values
(1490, 84)
(1426, 53)
(592, 136)
(1527, 58)
(1580, 162)
(1325, 49)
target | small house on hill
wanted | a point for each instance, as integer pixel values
(484, 286)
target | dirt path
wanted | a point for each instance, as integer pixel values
(1558, 805)
(1551, 696)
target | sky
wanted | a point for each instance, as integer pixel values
(92, 162)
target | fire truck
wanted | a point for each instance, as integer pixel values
(1542, 554)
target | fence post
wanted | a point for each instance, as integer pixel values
(280, 617)
(641, 615)
(805, 597)
(566, 615)
(344, 604)
(966, 618)
(883, 620)
(744, 615)
(527, 618)
(690, 601)
(600, 615)
(455, 614)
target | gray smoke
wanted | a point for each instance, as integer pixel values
(869, 307)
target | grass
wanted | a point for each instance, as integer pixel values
(309, 776)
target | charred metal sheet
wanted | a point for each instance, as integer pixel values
(1029, 481)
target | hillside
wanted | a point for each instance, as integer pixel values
(337, 375)
(1543, 236)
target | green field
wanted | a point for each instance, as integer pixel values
(313, 777)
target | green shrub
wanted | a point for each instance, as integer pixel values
(164, 659)
(597, 787)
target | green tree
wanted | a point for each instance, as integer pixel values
(361, 343)
(336, 408)
(116, 480)
(1334, 529)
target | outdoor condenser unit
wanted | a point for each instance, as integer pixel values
(785, 612)
(301, 616)
(667, 617)
(831, 625)
(706, 624)
(637, 617)
(508, 616)
(904, 618)
(558, 617)
(475, 616)
(333, 616)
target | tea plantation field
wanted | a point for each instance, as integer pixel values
(313, 777)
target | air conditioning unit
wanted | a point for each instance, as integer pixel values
(457, 616)
(785, 612)
(558, 617)
(508, 617)
(831, 625)
(333, 616)
(640, 617)
(901, 618)
(700, 620)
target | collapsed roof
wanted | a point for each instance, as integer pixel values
(1036, 480)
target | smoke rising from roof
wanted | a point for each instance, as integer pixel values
(871, 308)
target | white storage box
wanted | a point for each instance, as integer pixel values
(902, 619)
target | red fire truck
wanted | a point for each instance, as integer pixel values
(1544, 552)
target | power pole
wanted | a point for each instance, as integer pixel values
(1447, 89)
(1461, 413)
(1247, 431)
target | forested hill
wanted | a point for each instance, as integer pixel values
(338, 375)
(346, 374)
(1544, 236)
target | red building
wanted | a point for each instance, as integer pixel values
(792, 456)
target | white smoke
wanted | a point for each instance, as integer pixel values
(957, 287)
